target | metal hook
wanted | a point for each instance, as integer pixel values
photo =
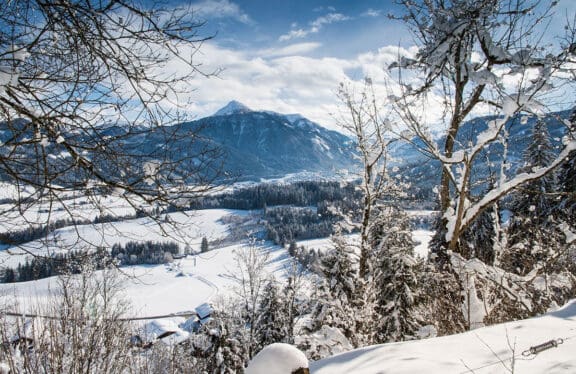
(534, 350)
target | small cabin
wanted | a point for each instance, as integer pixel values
(167, 331)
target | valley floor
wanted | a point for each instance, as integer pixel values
(190, 281)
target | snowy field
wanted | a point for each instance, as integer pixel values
(421, 239)
(152, 289)
(186, 229)
(161, 289)
(491, 349)
(73, 205)
(155, 290)
(186, 283)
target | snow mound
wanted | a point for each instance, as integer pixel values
(277, 358)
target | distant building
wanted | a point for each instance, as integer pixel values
(203, 316)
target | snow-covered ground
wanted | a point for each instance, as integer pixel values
(491, 349)
(185, 228)
(77, 206)
(191, 281)
(163, 289)
(421, 237)
(150, 289)
(321, 245)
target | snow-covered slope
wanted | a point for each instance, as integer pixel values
(264, 144)
(188, 229)
(160, 289)
(502, 348)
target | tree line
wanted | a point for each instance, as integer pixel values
(304, 193)
(148, 252)
(73, 262)
(34, 232)
(65, 263)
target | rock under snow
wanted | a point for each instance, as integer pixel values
(277, 358)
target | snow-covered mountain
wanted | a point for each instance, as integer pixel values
(264, 144)
(233, 107)
(252, 145)
(424, 172)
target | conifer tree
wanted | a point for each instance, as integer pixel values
(566, 209)
(336, 295)
(478, 239)
(220, 345)
(532, 201)
(395, 281)
(273, 317)
(531, 232)
(204, 245)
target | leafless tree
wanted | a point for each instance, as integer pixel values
(250, 276)
(84, 85)
(78, 328)
(486, 56)
(367, 120)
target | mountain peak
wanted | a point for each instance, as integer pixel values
(232, 107)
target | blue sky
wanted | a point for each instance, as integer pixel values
(341, 28)
(290, 56)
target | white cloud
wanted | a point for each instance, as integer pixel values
(328, 19)
(220, 9)
(372, 13)
(322, 9)
(287, 82)
(290, 50)
(284, 81)
(314, 26)
(269, 80)
(293, 34)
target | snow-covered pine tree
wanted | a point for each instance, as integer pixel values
(478, 239)
(532, 235)
(443, 300)
(532, 201)
(337, 292)
(396, 286)
(273, 323)
(220, 344)
(566, 209)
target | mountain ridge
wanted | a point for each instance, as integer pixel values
(266, 144)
